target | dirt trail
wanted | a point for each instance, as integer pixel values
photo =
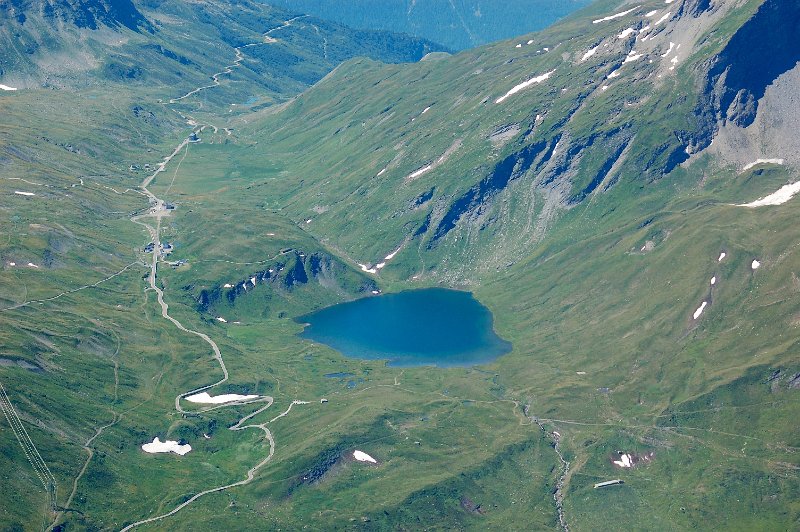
(151, 221)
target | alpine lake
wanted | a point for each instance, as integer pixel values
(426, 327)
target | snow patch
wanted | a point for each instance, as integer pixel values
(762, 161)
(632, 56)
(525, 85)
(624, 461)
(204, 398)
(227, 285)
(365, 268)
(604, 88)
(626, 33)
(700, 310)
(779, 197)
(662, 19)
(755, 265)
(590, 53)
(416, 173)
(721, 256)
(381, 172)
(169, 446)
(21, 193)
(32, 265)
(221, 319)
(530, 41)
(363, 457)
(615, 16)
(671, 46)
(713, 280)
(613, 74)
(651, 13)
(426, 110)
(7, 88)
(391, 255)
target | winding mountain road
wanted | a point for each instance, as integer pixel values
(151, 221)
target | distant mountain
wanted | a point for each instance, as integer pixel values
(458, 24)
(89, 14)
(85, 42)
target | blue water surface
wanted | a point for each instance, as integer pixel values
(429, 327)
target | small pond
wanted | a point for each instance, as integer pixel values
(429, 327)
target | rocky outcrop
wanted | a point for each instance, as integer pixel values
(735, 79)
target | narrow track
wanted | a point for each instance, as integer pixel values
(151, 221)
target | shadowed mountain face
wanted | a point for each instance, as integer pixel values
(764, 48)
(89, 14)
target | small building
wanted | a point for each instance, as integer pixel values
(608, 483)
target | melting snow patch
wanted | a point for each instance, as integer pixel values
(32, 265)
(652, 13)
(662, 19)
(426, 110)
(7, 88)
(12, 263)
(604, 88)
(169, 446)
(363, 457)
(613, 74)
(624, 461)
(762, 161)
(721, 256)
(518, 46)
(671, 46)
(530, 41)
(364, 268)
(227, 285)
(699, 310)
(755, 265)
(713, 280)
(626, 33)
(21, 193)
(614, 16)
(391, 255)
(420, 171)
(779, 197)
(381, 172)
(590, 53)
(204, 398)
(633, 56)
(525, 85)
(221, 319)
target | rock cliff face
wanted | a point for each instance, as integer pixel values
(735, 81)
(765, 47)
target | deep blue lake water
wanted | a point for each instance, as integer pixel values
(429, 327)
